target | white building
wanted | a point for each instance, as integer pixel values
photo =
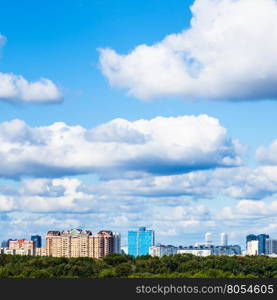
(208, 239)
(270, 246)
(197, 252)
(223, 239)
(161, 250)
(252, 247)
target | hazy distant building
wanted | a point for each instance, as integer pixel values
(162, 250)
(226, 250)
(223, 239)
(117, 242)
(124, 250)
(198, 251)
(140, 241)
(208, 239)
(4, 244)
(79, 243)
(270, 246)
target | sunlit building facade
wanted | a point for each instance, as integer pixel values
(79, 243)
(140, 241)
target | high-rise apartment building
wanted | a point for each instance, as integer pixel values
(79, 243)
(37, 240)
(140, 241)
(24, 246)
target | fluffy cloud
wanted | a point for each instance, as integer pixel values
(15, 88)
(268, 155)
(42, 204)
(45, 195)
(158, 146)
(246, 211)
(228, 53)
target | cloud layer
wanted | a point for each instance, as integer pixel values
(228, 53)
(15, 88)
(158, 146)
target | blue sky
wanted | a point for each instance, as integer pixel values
(60, 41)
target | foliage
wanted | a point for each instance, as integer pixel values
(116, 265)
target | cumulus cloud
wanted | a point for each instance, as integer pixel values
(268, 155)
(48, 195)
(249, 209)
(236, 183)
(228, 53)
(158, 146)
(43, 204)
(15, 88)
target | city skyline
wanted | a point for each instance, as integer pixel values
(144, 113)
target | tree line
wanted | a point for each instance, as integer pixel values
(116, 265)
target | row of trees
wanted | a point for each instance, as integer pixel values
(115, 265)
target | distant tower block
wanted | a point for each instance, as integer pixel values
(224, 239)
(208, 239)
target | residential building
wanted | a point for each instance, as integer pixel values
(161, 250)
(140, 241)
(41, 251)
(79, 243)
(22, 246)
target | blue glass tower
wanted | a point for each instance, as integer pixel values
(140, 241)
(37, 240)
(261, 245)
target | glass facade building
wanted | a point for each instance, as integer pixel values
(261, 238)
(37, 240)
(140, 241)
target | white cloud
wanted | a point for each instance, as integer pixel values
(158, 146)
(235, 183)
(49, 195)
(15, 88)
(7, 203)
(249, 209)
(268, 155)
(45, 195)
(228, 53)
